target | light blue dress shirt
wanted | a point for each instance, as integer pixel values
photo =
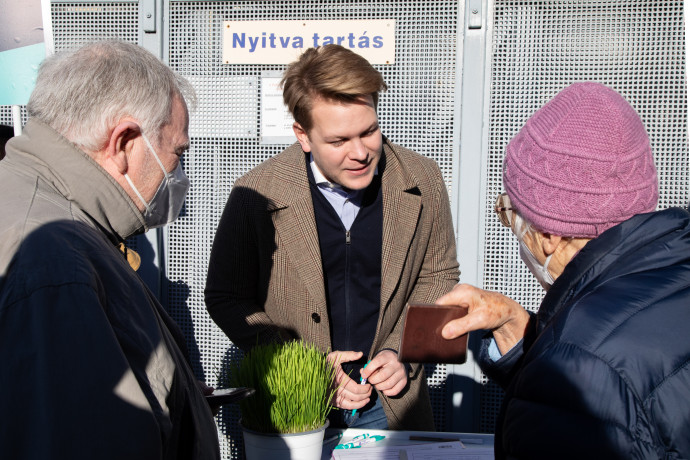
(345, 202)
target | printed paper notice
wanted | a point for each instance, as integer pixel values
(276, 120)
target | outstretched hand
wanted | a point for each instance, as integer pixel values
(487, 310)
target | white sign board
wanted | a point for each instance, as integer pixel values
(281, 42)
(276, 120)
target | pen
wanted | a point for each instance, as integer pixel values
(335, 437)
(359, 441)
(434, 439)
(362, 381)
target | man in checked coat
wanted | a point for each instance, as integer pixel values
(329, 240)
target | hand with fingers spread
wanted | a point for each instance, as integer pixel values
(386, 373)
(349, 394)
(488, 310)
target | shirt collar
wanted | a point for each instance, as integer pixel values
(319, 178)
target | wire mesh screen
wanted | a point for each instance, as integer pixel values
(77, 23)
(6, 115)
(416, 112)
(540, 47)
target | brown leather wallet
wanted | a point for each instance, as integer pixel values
(421, 340)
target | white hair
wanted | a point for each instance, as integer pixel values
(521, 226)
(84, 93)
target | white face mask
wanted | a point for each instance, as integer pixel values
(540, 272)
(167, 202)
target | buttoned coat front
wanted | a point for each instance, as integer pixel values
(265, 279)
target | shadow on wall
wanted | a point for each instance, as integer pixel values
(441, 395)
(230, 413)
(174, 299)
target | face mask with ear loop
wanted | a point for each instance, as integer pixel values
(540, 272)
(167, 202)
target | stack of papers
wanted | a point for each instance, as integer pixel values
(427, 451)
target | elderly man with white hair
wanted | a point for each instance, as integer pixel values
(93, 367)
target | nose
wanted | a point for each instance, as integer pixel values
(359, 151)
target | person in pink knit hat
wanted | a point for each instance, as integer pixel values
(602, 370)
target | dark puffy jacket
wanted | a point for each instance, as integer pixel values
(605, 370)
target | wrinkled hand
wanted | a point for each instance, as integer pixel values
(349, 394)
(386, 373)
(486, 310)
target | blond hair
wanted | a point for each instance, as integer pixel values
(331, 72)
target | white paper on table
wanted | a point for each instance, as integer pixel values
(454, 450)
(368, 453)
(433, 451)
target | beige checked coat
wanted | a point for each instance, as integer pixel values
(265, 278)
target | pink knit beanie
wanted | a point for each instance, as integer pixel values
(581, 164)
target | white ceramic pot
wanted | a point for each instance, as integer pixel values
(293, 446)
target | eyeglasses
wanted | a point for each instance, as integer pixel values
(503, 209)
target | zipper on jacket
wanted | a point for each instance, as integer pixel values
(347, 290)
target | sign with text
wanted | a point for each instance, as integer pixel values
(281, 42)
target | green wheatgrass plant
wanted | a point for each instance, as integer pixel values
(293, 383)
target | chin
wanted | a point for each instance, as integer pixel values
(359, 184)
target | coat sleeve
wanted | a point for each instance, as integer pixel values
(239, 265)
(504, 369)
(71, 392)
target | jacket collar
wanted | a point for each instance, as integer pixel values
(293, 187)
(631, 246)
(82, 181)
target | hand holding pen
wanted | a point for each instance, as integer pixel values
(362, 381)
(385, 373)
(350, 394)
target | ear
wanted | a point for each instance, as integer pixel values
(550, 242)
(120, 144)
(302, 137)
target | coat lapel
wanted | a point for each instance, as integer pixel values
(401, 209)
(293, 216)
(292, 212)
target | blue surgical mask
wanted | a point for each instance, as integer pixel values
(540, 272)
(167, 202)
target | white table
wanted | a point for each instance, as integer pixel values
(474, 441)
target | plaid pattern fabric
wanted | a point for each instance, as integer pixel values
(265, 278)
